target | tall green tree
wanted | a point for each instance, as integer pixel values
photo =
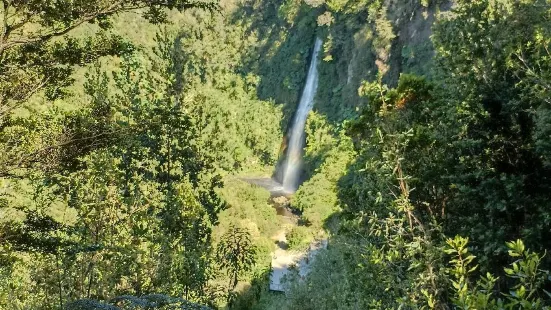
(38, 54)
(236, 253)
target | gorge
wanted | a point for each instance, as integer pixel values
(143, 165)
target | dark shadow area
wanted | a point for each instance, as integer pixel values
(252, 295)
(304, 222)
(282, 245)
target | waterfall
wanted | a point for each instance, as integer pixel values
(292, 165)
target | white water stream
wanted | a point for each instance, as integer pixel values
(293, 162)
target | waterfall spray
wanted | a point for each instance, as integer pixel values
(292, 165)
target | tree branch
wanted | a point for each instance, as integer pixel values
(8, 170)
(113, 8)
(5, 26)
(6, 109)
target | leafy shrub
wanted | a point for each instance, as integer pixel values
(469, 293)
(298, 238)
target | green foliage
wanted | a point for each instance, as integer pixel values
(328, 151)
(131, 191)
(248, 209)
(248, 205)
(466, 297)
(390, 258)
(361, 42)
(154, 301)
(480, 295)
(283, 34)
(236, 136)
(338, 280)
(460, 155)
(299, 238)
(137, 169)
(38, 56)
(235, 253)
(498, 175)
(327, 286)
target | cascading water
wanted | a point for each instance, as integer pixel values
(292, 164)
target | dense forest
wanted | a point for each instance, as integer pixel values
(131, 129)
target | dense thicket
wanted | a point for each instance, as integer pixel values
(124, 198)
(37, 56)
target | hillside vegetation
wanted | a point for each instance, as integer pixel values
(127, 128)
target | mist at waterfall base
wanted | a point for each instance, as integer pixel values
(287, 176)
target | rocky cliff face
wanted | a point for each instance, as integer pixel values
(364, 42)
(362, 38)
